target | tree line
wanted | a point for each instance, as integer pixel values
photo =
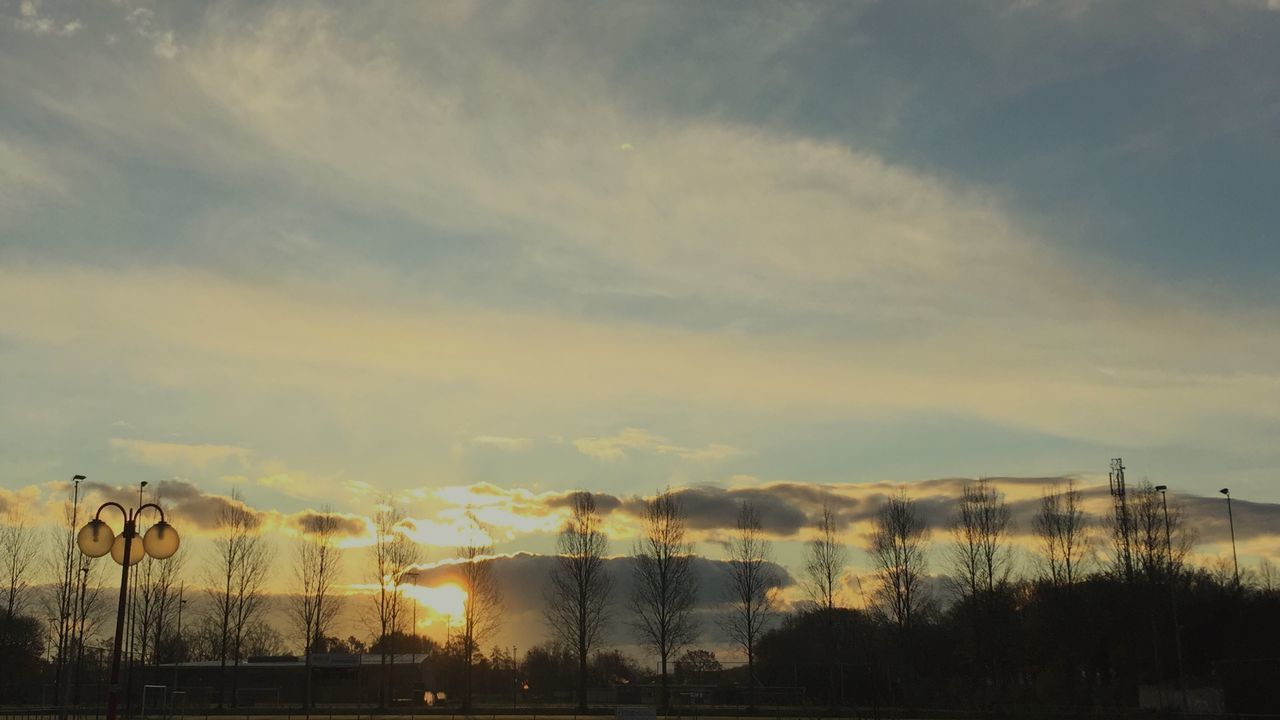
(1108, 604)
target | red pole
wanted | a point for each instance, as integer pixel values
(113, 690)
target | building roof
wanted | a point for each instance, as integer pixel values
(317, 660)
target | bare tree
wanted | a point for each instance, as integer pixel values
(1161, 538)
(898, 547)
(981, 557)
(825, 561)
(236, 573)
(394, 553)
(482, 609)
(753, 583)
(164, 585)
(316, 564)
(17, 552)
(578, 602)
(87, 615)
(154, 597)
(65, 571)
(664, 589)
(1268, 581)
(1063, 529)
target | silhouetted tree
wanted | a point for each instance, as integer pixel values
(981, 557)
(695, 665)
(393, 553)
(1155, 558)
(316, 564)
(663, 586)
(154, 592)
(236, 574)
(59, 600)
(898, 548)
(482, 609)
(753, 582)
(1063, 529)
(20, 649)
(825, 561)
(549, 669)
(578, 602)
(17, 553)
(611, 667)
(1268, 579)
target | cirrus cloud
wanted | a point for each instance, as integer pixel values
(179, 456)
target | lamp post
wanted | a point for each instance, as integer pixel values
(1173, 596)
(414, 599)
(66, 605)
(178, 649)
(1232, 521)
(97, 539)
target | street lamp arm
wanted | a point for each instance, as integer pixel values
(110, 503)
(150, 505)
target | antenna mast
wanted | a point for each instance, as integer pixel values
(1124, 524)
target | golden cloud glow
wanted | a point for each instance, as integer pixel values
(615, 447)
(459, 531)
(180, 455)
(441, 601)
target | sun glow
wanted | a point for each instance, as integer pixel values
(442, 601)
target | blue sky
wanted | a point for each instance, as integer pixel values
(327, 251)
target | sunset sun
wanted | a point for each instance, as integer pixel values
(440, 601)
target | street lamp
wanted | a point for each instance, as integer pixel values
(1231, 519)
(97, 539)
(1173, 597)
(414, 574)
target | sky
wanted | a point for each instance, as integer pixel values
(477, 255)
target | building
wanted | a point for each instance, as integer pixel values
(281, 680)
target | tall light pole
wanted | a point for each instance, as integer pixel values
(66, 606)
(1173, 596)
(1231, 519)
(414, 599)
(178, 649)
(97, 539)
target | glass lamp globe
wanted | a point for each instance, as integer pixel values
(161, 541)
(136, 552)
(95, 538)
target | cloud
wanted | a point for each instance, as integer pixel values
(451, 532)
(615, 447)
(179, 456)
(163, 42)
(343, 525)
(605, 502)
(1207, 517)
(790, 510)
(186, 506)
(612, 448)
(20, 502)
(510, 444)
(31, 20)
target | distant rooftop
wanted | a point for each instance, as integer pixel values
(317, 660)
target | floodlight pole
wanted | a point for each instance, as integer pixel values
(1235, 561)
(1173, 596)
